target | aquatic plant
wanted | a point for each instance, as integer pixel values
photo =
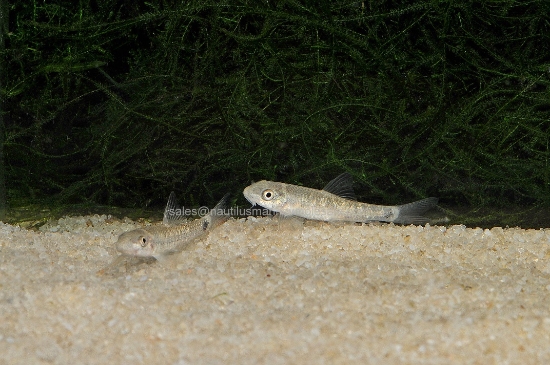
(120, 102)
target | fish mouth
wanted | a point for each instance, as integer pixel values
(127, 251)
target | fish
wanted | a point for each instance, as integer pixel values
(174, 235)
(336, 202)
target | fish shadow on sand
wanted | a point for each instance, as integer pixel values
(125, 264)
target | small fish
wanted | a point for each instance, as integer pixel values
(160, 241)
(336, 202)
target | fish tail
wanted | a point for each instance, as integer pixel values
(219, 213)
(412, 213)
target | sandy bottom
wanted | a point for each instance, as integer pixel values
(264, 291)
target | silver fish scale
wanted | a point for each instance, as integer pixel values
(322, 205)
(173, 239)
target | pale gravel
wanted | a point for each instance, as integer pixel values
(269, 291)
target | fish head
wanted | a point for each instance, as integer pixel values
(136, 243)
(268, 194)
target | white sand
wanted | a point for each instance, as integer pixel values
(263, 291)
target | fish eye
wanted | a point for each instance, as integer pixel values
(143, 241)
(267, 194)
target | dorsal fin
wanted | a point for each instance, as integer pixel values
(173, 214)
(341, 185)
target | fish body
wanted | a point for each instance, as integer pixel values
(159, 241)
(336, 202)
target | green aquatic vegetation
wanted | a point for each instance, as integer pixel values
(119, 103)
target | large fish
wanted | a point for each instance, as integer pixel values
(159, 241)
(336, 202)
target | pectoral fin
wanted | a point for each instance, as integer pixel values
(162, 258)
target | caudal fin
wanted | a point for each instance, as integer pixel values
(412, 213)
(219, 213)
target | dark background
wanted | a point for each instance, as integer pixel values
(119, 102)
